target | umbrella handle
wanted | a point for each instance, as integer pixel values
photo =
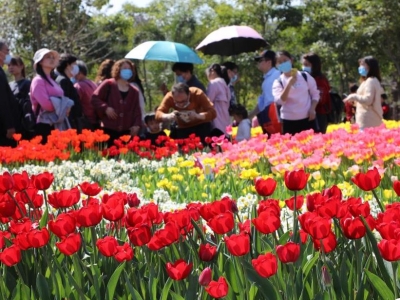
(147, 84)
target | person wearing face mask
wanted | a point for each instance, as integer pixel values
(266, 110)
(184, 74)
(9, 112)
(312, 65)
(190, 109)
(298, 95)
(230, 73)
(67, 70)
(367, 99)
(117, 103)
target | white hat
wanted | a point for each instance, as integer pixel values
(41, 53)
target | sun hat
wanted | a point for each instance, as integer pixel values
(41, 53)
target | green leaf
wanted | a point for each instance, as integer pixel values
(112, 283)
(379, 285)
(43, 220)
(43, 287)
(131, 289)
(166, 289)
(309, 264)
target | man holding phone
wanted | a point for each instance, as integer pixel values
(190, 109)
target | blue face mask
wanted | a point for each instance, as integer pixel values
(125, 74)
(306, 69)
(180, 78)
(362, 71)
(75, 70)
(285, 66)
(7, 59)
(234, 79)
(73, 80)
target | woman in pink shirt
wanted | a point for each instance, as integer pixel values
(43, 87)
(219, 94)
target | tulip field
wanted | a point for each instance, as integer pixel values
(309, 216)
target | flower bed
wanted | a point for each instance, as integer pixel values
(307, 217)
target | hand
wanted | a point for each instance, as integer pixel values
(349, 98)
(134, 130)
(170, 116)
(111, 114)
(192, 116)
(10, 133)
(292, 80)
(311, 114)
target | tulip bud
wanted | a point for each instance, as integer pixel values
(326, 277)
(133, 200)
(205, 277)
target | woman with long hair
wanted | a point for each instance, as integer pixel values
(104, 71)
(367, 99)
(219, 94)
(312, 65)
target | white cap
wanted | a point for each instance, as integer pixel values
(41, 53)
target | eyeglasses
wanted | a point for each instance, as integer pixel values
(49, 57)
(183, 104)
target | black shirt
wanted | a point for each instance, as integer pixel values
(194, 82)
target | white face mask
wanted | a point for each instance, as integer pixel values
(7, 59)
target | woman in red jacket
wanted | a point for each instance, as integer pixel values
(312, 64)
(116, 102)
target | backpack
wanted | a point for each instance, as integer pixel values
(26, 114)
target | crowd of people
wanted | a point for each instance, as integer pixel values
(60, 96)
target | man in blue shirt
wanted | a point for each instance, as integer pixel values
(184, 74)
(266, 64)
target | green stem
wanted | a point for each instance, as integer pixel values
(295, 235)
(394, 269)
(379, 201)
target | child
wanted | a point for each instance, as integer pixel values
(240, 115)
(153, 129)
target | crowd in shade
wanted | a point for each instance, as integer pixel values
(61, 96)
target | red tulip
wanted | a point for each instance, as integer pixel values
(267, 222)
(299, 202)
(11, 256)
(218, 289)
(133, 200)
(31, 197)
(63, 225)
(65, 198)
(238, 244)
(6, 182)
(390, 249)
(205, 277)
(21, 240)
(265, 265)
(123, 253)
(245, 226)
(113, 209)
(90, 189)
(21, 181)
(265, 187)
(353, 228)
(288, 253)
(107, 246)
(180, 217)
(164, 237)
(367, 181)
(314, 201)
(42, 181)
(179, 270)
(269, 204)
(328, 244)
(89, 215)
(207, 252)
(315, 225)
(38, 237)
(333, 191)
(69, 244)
(330, 208)
(7, 206)
(396, 187)
(296, 180)
(222, 223)
(140, 234)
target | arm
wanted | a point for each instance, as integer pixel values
(162, 113)
(368, 95)
(212, 91)
(314, 94)
(40, 94)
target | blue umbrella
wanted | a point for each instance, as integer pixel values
(164, 51)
